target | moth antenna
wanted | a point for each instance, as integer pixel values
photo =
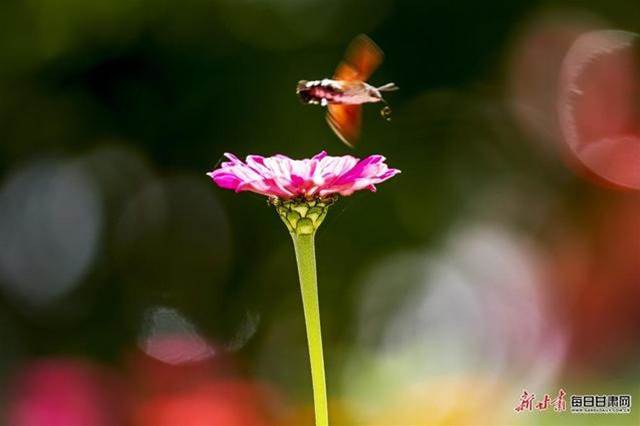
(389, 87)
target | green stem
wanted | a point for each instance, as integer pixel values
(306, 259)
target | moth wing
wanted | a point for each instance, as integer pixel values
(345, 121)
(363, 57)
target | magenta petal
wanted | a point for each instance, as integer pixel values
(297, 181)
(320, 155)
(226, 181)
(361, 170)
(256, 158)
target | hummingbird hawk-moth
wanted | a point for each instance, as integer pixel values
(347, 90)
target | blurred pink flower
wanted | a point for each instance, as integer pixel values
(65, 392)
(282, 177)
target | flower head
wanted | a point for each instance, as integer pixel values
(319, 177)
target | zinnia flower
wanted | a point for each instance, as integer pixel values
(302, 191)
(281, 177)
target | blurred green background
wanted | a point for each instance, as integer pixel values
(489, 266)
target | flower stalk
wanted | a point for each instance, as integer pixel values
(306, 260)
(302, 218)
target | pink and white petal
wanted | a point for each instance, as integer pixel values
(336, 166)
(256, 162)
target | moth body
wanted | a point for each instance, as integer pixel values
(327, 91)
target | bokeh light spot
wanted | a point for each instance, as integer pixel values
(50, 223)
(598, 105)
(169, 337)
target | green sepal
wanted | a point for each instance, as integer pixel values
(302, 216)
